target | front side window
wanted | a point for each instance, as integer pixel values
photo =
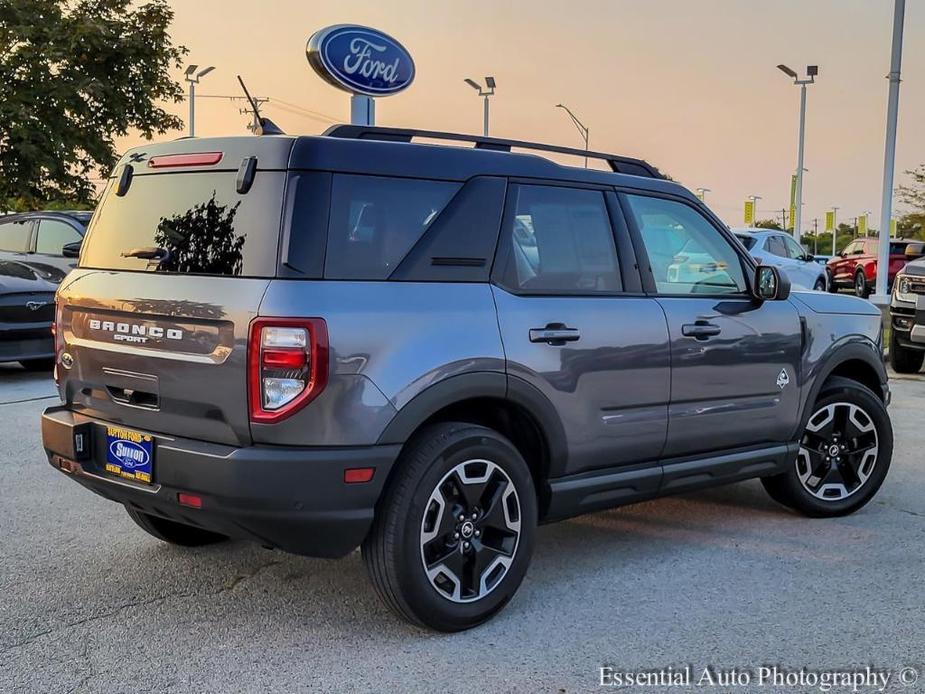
(375, 221)
(794, 250)
(561, 242)
(14, 236)
(687, 254)
(53, 235)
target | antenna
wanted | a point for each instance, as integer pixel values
(262, 126)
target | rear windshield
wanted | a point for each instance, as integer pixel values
(194, 222)
(747, 241)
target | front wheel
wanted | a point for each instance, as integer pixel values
(820, 285)
(844, 453)
(861, 287)
(902, 359)
(454, 530)
(833, 288)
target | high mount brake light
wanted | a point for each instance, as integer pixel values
(193, 159)
(287, 366)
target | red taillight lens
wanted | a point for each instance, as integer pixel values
(190, 500)
(57, 332)
(194, 159)
(287, 365)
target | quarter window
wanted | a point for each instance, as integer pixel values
(14, 236)
(687, 254)
(376, 220)
(53, 235)
(561, 242)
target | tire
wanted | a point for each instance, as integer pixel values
(443, 467)
(861, 287)
(904, 360)
(47, 364)
(849, 416)
(820, 285)
(833, 288)
(172, 532)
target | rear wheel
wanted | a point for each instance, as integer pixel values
(844, 454)
(861, 288)
(172, 532)
(454, 531)
(46, 364)
(904, 360)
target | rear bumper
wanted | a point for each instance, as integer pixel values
(293, 499)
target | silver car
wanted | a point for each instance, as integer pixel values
(779, 249)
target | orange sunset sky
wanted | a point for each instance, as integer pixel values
(690, 86)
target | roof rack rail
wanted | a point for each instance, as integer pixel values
(624, 165)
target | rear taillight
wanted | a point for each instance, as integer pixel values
(57, 332)
(287, 365)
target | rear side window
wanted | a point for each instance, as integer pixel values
(561, 241)
(198, 218)
(53, 235)
(374, 222)
(747, 241)
(14, 236)
(775, 246)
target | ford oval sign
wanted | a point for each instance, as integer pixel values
(360, 60)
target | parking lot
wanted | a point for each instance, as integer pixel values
(722, 578)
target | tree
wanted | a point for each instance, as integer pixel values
(768, 224)
(74, 75)
(912, 223)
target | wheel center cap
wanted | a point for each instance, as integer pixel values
(834, 450)
(467, 529)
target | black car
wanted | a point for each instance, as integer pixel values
(47, 241)
(27, 311)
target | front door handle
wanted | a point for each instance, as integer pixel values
(555, 334)
(700, 330)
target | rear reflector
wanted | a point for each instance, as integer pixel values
(190, 500)
(194, 159)
(358, 475)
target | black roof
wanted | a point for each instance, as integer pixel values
(81, 216)
(393, 152)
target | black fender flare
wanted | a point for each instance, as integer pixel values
(837, 355)
(483, 384)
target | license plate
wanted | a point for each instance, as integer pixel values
(129, 454)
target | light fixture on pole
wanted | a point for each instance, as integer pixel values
(193, 77)
(485, 93)
(811, 72)
(702, 193)
(582, 128)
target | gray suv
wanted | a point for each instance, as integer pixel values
(359, 339)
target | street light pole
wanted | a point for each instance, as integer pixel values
(490, 91)
(889, 156)
(754, 199)
(811, 72)
(585, 132)
(834, 227)
(193, 79)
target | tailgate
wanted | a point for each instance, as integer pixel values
(160, 353)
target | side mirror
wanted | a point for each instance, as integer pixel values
(770, 285)
(71, 250)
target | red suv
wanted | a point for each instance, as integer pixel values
(856, 266)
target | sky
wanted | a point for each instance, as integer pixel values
(690, 86)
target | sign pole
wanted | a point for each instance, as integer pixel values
(362, 110)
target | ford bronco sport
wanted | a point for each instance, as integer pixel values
(360, 339)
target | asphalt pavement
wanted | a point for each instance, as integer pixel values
(722, 579)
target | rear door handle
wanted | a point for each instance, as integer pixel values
(555, 334)
(700, 330)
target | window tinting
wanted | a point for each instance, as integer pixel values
(14, 236)
(199, 218)
(747, 241)
(775, 246)
(687, 254)
(53, 234)
(375, 221)
(562, 241)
